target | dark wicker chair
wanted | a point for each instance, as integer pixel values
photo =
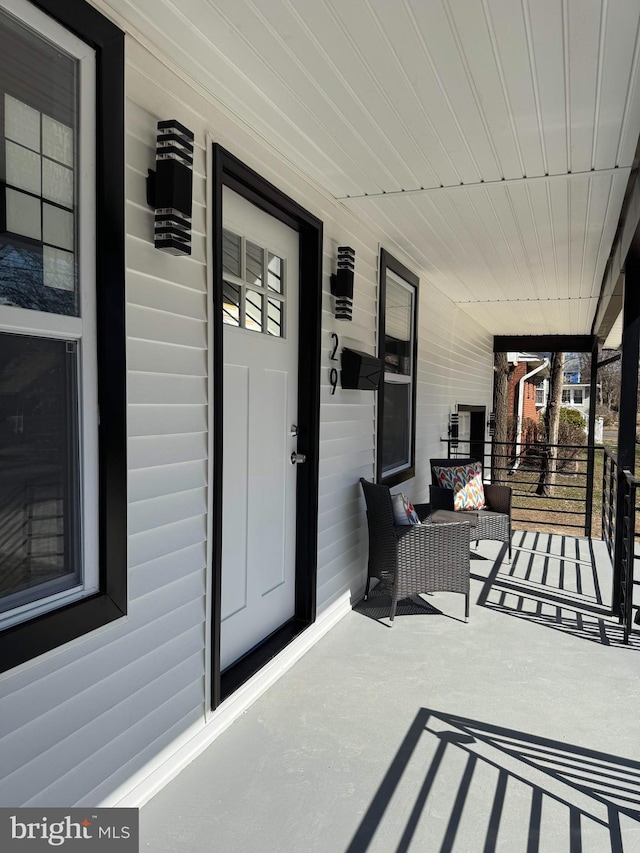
(493, 522)
(409, 559)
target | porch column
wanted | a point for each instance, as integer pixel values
(591, 427)
(628, 398)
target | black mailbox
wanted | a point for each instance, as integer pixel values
(360, 370)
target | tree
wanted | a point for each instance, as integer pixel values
(608, 378)
(549, 464)
(501, 409)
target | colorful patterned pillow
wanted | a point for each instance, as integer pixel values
(403, 511)
(466, 482)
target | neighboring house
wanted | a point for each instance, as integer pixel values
(577, 396)
(528, 385)
(176, 445)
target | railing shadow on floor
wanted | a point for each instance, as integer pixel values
(552, 581)
(482, 787)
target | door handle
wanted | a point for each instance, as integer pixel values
(298, 458)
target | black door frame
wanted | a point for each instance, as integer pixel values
(230, 172)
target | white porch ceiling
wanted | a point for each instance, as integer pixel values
(491, 140)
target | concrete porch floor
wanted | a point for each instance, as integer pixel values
(518, 731)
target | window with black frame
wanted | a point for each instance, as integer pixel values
(52, 330)
(397, 348)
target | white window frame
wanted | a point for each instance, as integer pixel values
(82, 329)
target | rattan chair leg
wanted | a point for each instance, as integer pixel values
(466, 607)
(394, 602)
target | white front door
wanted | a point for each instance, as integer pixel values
(260, 295)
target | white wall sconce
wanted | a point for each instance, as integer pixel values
(170, 188)
(342, 283)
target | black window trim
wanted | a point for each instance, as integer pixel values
(41, 634)
(388, 262)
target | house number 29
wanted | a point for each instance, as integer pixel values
(333, 373)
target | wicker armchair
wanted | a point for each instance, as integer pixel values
(493, 522)
(408, 559)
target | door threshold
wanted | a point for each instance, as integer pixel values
(243, 669)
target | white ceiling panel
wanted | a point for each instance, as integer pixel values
(617, 69)
(488, 140)
(544, 239)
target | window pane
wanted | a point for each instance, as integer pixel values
(274, 273)
(23, 168)
(396, 449)
(22, 122)
(57, 183)
(230, 304)
(274, 310)
(253, 311)
(38, 130)
(57, 226)
(231, 244)
(57, 141)
(58, 268)
(255, 261)
(398, 323)
(38, 469)
(23, 216)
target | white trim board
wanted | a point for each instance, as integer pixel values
(148, 781)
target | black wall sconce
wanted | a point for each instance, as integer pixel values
(170, 188)
(454, 429)
(342, 283)
(492, 424)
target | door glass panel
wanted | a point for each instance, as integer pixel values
(274, 273)
(254, 287)
(231, 253)
(38, 469)
(253, 310)
(255, 263)
(274, 310)
(230, 304)
(38, 141)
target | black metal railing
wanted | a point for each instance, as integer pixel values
(627, 552)
(619, 488)
(567, 505)
(609, 501)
